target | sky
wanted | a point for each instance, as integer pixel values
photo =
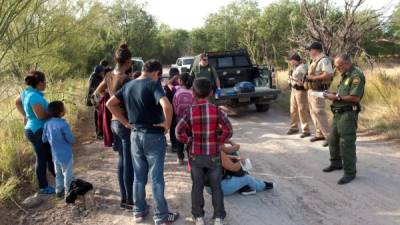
(189, 14)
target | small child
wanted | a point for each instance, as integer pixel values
(58, 133)
(170, 90)
(182, 100)
(198, 127)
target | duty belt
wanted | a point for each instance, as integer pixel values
(299, 88)
(343, 109)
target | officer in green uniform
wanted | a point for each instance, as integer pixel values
(203, 69)
(345, 107)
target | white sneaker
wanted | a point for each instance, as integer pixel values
(200, 221)
(219, 221)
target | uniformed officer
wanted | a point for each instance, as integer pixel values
(299, 111)
(345, 107)
(204, 69)
(320, 75)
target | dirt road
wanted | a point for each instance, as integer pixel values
(303, 196)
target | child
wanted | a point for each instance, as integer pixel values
(198, 126)
(182, 100)
(58, 133)
(169, 89)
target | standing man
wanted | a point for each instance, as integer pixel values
(204, 69)
(345, 108)
(320, 75)
(149, 115)
(298, 98)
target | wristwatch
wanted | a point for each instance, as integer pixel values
(338, 97)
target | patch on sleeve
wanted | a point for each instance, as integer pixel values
(356, 81)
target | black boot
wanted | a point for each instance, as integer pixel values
(331, 168)
(346, 179)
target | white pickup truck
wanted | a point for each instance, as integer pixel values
(183, 63)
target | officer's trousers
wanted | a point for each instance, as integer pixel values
(299, 111)
(342, 142)
(318, 115)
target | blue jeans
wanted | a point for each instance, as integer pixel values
(64, 176)
(148, 153)
(122, 144)
(44, 159)
(233, 184)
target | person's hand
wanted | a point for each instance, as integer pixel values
(309, 77)
(128, 126)
(163, 125)
(330, 96)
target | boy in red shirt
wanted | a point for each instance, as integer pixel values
(198, 127)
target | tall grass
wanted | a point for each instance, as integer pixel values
(381, 101)
(16, 154)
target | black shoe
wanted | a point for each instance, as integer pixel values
(246, 190)
(303, 135)
(292, 131)
(314, 139)
(325, 144)
(268, 185)
(332, 168)
(346, 179)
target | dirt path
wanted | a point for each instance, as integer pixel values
(304, 195)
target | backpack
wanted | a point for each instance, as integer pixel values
(244, 87)
(183, 99)
(77, 187)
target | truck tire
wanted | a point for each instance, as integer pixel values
(262, 107)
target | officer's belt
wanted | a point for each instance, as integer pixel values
(343, 109)
(299, 88)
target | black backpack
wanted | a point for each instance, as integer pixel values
(77, 187)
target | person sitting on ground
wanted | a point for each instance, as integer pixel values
(235, 178)
(58, 133)
(170, 89)
(182, 100)
(198, 127)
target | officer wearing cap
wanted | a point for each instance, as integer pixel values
(298, 99)
(345, 108)
(204, 69)
(320, 75)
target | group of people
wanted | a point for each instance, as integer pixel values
(310, 88)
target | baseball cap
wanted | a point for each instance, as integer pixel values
(316, 46)
(295, 56)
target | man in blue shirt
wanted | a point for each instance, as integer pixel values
(58, 133)
(149, 115)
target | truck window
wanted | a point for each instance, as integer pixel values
(241, 61)
(179, 62)
(225, 62)
(212, 62)
(188, 61)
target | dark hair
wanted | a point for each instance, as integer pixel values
(153, 65)
(173, 71)
(34, 77)
(104, 63)
(186, 80)
(122, 54)
(107, 70)
(136, 74)
(55, 108)
(346, 58)
(201, 87)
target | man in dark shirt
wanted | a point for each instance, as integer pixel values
(149, 115)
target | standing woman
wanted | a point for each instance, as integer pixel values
(33, 107)
(113, 81)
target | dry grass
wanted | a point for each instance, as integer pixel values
(381, 102)
(16, 155)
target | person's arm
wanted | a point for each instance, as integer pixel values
(183, 129)
(230, 149)
(113, 104)
(171, 81)
(20, 108)
(68, 136)
(167, 110)
(356, 92)
(228, 164)
(217, 81)
(40, 112)
(101, 88)
(225, 125)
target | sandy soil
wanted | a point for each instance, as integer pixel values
(303, 196)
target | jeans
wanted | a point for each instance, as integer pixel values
(180, 150)
(233, 184)
(43, 156)
(148, 153)
(122, 144)
(172, 136)
(64, 176)
(202, 168)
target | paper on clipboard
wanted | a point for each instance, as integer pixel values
(318, 94)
